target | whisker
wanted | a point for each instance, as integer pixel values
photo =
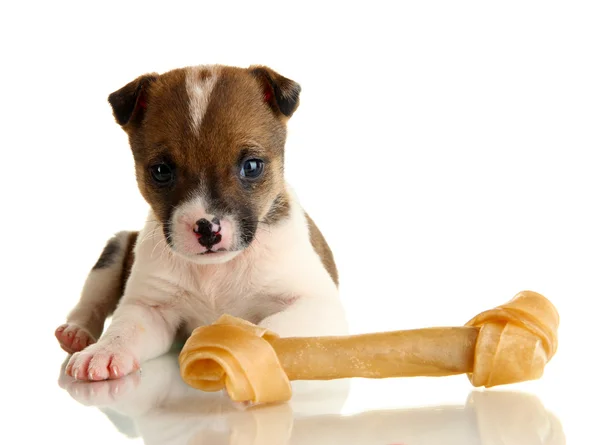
(155, 246)
(146, 237)
(164, 249)
(149, 235)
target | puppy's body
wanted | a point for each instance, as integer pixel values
(225, 233)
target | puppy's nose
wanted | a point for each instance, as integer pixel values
(208, 232)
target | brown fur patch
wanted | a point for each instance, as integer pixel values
(109, 253)
(128, 259)
(322, 248)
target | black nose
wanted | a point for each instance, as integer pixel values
(208, 232)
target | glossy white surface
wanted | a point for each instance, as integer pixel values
(156, 407)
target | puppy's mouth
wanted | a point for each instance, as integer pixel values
(213, 252)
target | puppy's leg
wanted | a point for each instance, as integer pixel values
(100, 295)
(139, 331)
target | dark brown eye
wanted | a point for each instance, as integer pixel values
(252, 168)
(162, 174)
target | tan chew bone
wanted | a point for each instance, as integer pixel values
(509, 344)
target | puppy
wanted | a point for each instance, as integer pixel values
(225, 232)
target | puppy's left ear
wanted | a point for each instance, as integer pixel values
(282, 94)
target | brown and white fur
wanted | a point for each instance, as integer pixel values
(216, 239)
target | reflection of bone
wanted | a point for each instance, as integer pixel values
(488, 418)
(508, 344)
(164, 410)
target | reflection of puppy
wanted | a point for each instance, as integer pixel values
(225, 233)
(160, 408)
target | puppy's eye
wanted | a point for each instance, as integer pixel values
(252, 168)
(162, 173)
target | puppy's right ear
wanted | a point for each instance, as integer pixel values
(130, 102)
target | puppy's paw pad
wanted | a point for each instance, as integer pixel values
(100, 362)
(73, 338)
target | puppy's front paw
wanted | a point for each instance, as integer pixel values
(73, 338)
(102, 362)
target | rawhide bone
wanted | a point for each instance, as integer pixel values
(508, 344)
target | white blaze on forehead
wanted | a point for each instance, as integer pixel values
(199, 82)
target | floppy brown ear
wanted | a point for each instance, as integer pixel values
(282, 94)
(130, 102)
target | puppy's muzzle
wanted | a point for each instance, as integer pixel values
(208, 232)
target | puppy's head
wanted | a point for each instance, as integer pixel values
(208, 144)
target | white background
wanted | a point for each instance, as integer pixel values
(463, 135)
